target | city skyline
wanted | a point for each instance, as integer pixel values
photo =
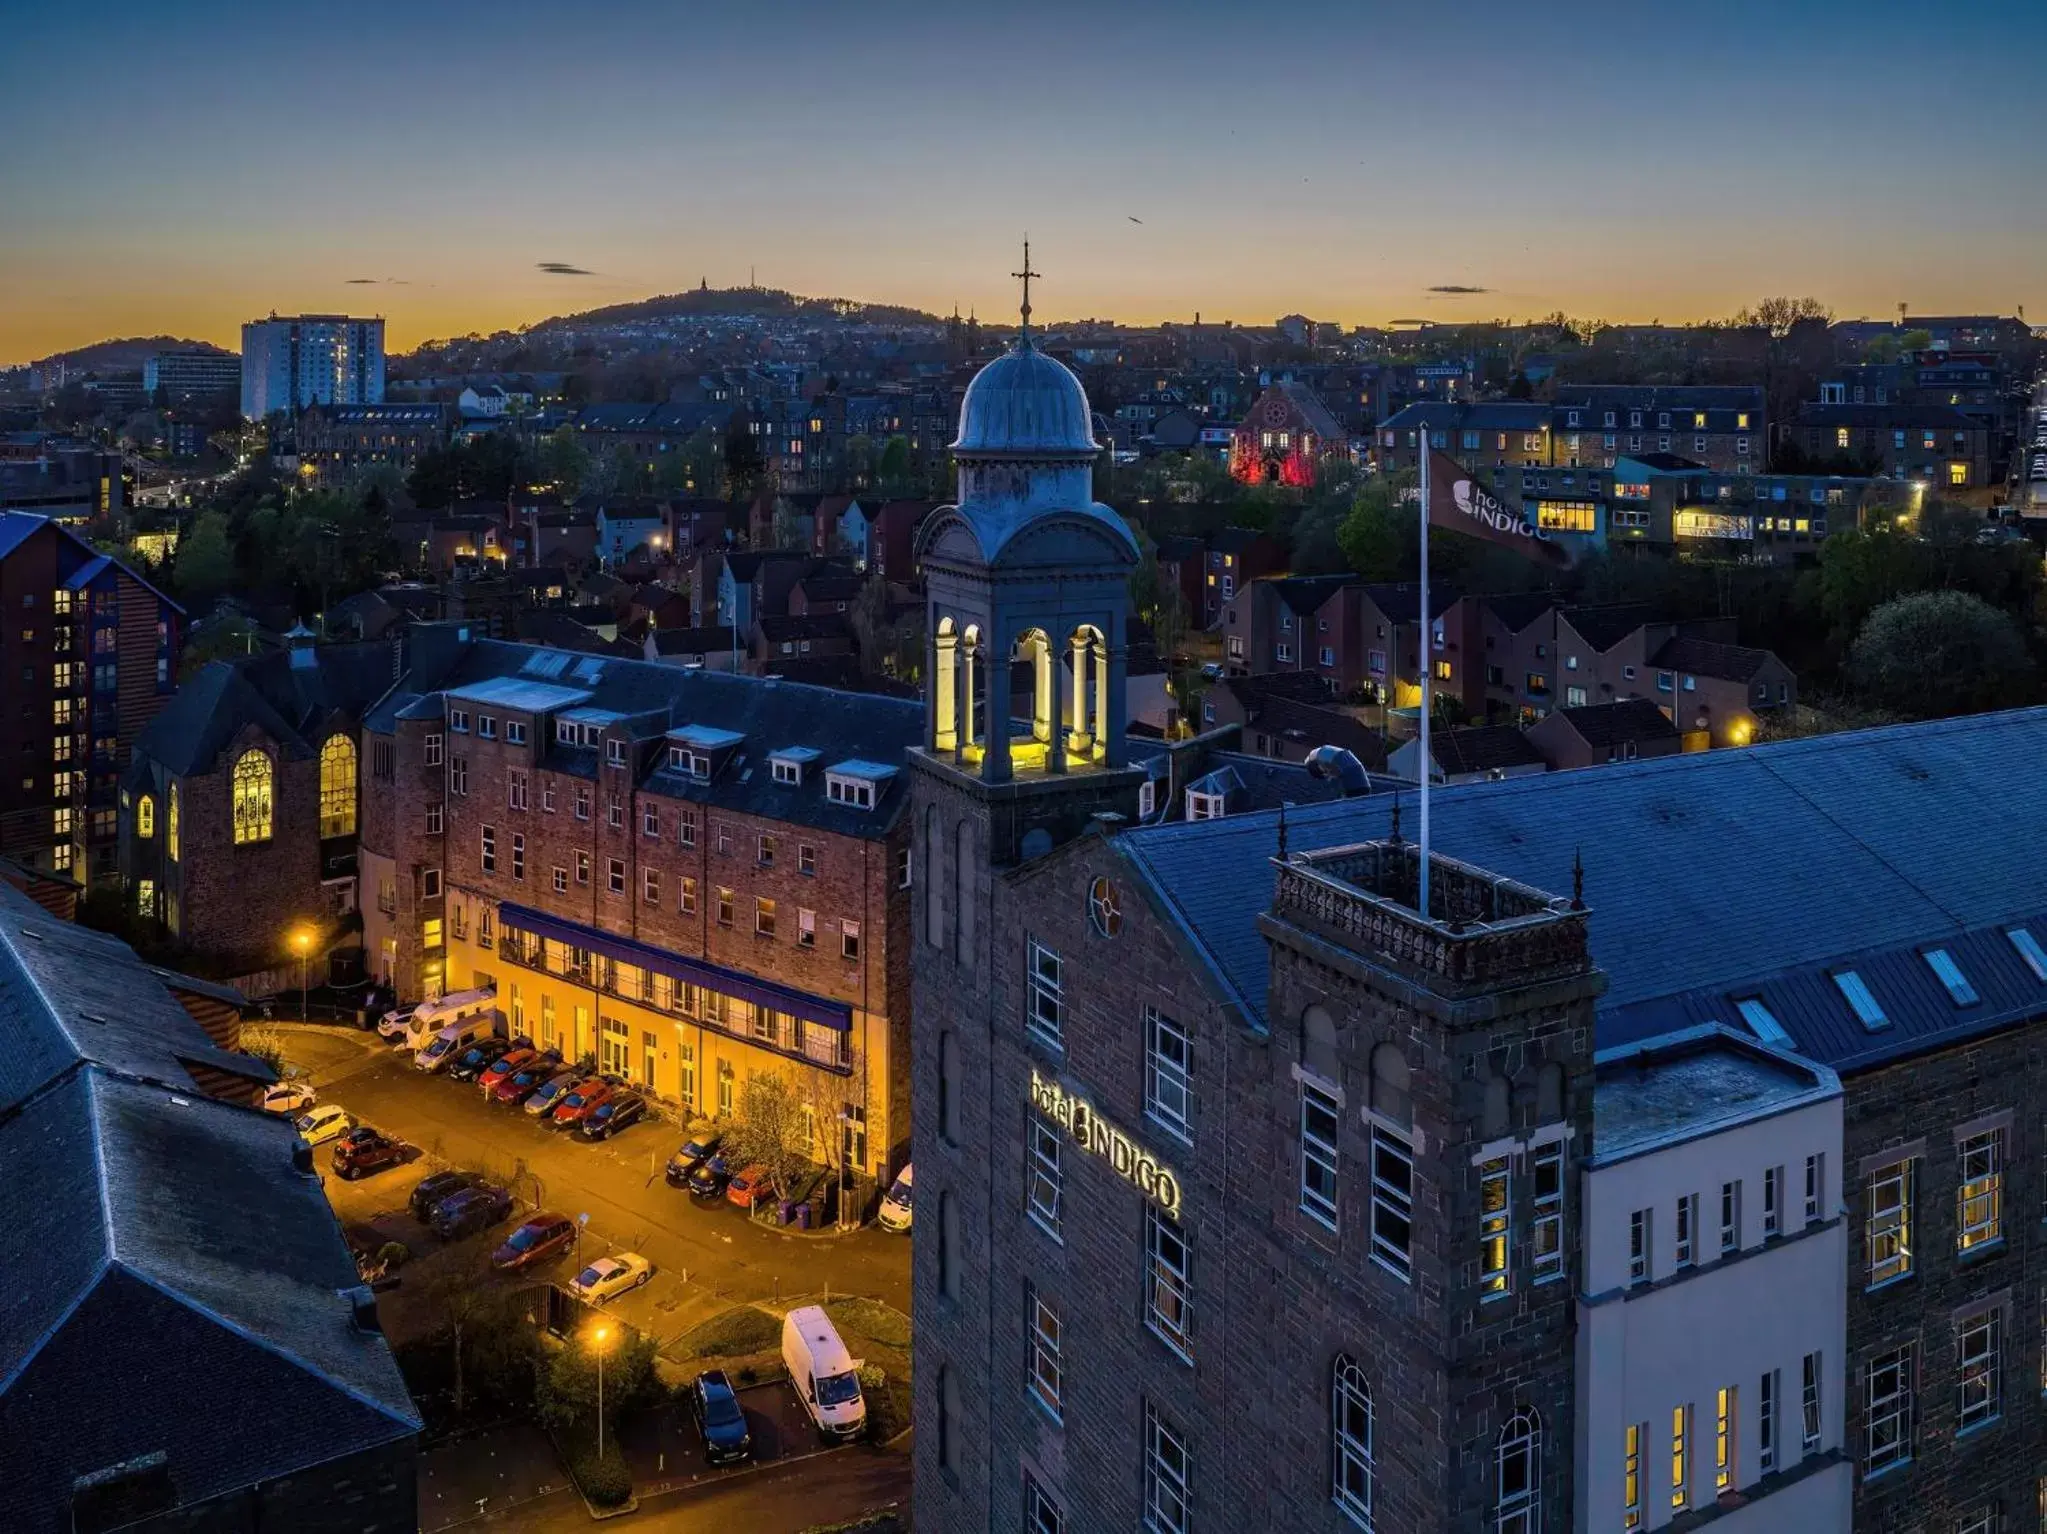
(897, 156)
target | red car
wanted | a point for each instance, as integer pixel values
(540, 1238)
(526, 1078)
(493, 1075)
(576, 1107)
(365, 1150)
(750, 1189)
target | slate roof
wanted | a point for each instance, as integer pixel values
(1518, 609)
(171, 1248)
(1889, 417)
(693, 641)
(1616, 723)
(286, 701)
(1604, 627)
(1306, 593)
(1482, 748)
(1701, 657)
(793, 626)
(1313, 411)
(1486, 415)
(1308, 725)
(1714, 873)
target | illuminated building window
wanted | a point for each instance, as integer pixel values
(254, 800)
(337, 787)
(1631, 1480)
(1840, 436)
(1495, 1226)
(1958, 474)
(145, 816)
(171, 826)
(1566, 516)
(1979, 1201)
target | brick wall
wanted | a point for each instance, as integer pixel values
(242, 901)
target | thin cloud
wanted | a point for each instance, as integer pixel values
(1457, 287)
(563, 269)
(357, 282)
(371, 282)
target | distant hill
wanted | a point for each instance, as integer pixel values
(761, 303)
(127, 356)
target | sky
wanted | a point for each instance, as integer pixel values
(182, 168)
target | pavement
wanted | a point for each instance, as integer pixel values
(706, 1257)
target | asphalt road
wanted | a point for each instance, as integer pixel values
(706, 1257)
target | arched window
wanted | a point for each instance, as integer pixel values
(934, 879)
(337, 787)
(1350, 1405)
(1519, 1489)
(1390, 1099)
(171, 827)
(145, 816)
(254, 800)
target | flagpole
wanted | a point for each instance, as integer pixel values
(1427, 667)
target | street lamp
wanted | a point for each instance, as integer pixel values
(302, 943)
(600, 1337)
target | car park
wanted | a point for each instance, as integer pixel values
(437, 1188)
(507, 1064)
(612, 1115)
(323, 1124)
(576, 1106)
(709, 1178)
(365, 1150)
(541, 1238)
(288, 1098)
(694, 1153)
(478, 1058)
(525, 1081)
(470, 1211)
(609, 1277)
(750, 1188)
(548, 1095)
(720, 1420)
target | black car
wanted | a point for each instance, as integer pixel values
(436, 1190)
(709, 1179)
(612, 1115)
(720, 1418)
(689, 1158)
(476, 1057)
(470, 1211)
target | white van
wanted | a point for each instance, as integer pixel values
(453, 1039)
(894, 1213)
(430, 1017)
(827, 1380)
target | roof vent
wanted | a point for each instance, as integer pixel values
(1335, 764)
(362, 1306)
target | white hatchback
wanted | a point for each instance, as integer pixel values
(289, 1097)
(609, 1277)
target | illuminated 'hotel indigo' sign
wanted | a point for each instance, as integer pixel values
(1130, 1161)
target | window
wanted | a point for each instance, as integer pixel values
(515, 733)
(614, 875)
(1773, 1198)
(1725, 1415)
(1320, 1116)
(1949, 973)
(1044, 1178)
(686, 826)
(764, 850)
(785, 770)
(724, 907)
(1886, 1408)
(429, 883)
(1392, 1202)
(1045, 1363)
(1351, 1434)
(337, 786)
(650, 886)
(518, 855)
(487, 848)
(723, 838)
(1730, 1218)
(1495, 1226)
(1987, 1519)
(1766, 1422)
(458, 720)
(1518, 1477)
(1977, 1341)
(650, 821)
(1638, 1247)
(1631, 1479)
(486, 727)
(849, 939)
(145, 816)
(582, 868)
(1046, 1018)
(687, 901)
(1546, 1247)
(1815, 1186)
(763, 916)
(1167, 1296)
(251, 785)
(1166, 1497)
(1979, 1201)
(515, 790)
(582, 801)
(614, 752)
(614, 812)
(1681, 1456)
(458, 775)
(1686, 1243)
(806, 863)
(2029, 949)
(1041, 1514)
(560, 880)
(841, 789)
(171, 828)
(1762, 1022)
(547, 796)
(1858, 996)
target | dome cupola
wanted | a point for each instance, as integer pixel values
(1025, 404)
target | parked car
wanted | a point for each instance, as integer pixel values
(693, 1154)
(548, 1095)
(289, 1097)
(392, 1028)
(470, 1211)
(612, 1115)
(720, 1420)
(576, 1107)
(894, 1213)
(365, 1150)
(609, 1277)
(512, 1061)
(709, 1178)
(478, 1058)
(540, 1238)
(750, 1188)
(437, 1189)
(324, 1124)
(527, 1080)
(826, 1376)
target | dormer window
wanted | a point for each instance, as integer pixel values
(592, 734)
(487, 726)
(565, 732)
(696, 763)
(1202, 806)
(615, 753)
(786, 771)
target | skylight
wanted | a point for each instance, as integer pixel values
(1942, 963)
(1857, 992)
(2029, 950)
(1762, 1021)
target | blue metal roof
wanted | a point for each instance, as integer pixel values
(517, 692)
(1715, 875)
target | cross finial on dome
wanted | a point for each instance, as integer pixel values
(1027, 274)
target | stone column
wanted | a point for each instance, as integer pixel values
(1052, 677)
(1044, 697)
(944, 691)
(995, 758)
(1080, 700)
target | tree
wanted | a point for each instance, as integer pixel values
(745, 467)
(768, 1131)
(785, 526)
(1936, 653)
(872, 626)
(1377, 536)
(206, 558)
(892, 472)
(562, 462)
(565, 1392)
(1780, 316)
(860, 459)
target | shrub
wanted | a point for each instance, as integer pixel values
(394, 1254)
(606, 1481)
